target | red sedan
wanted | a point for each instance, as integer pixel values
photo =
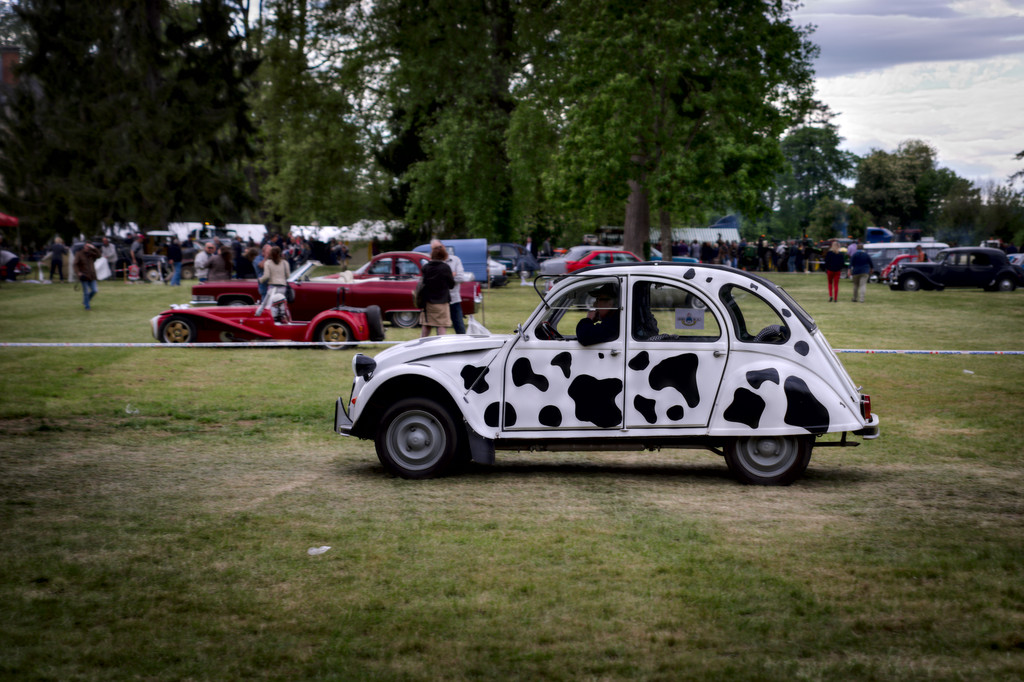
(392, 294)
(579, 257)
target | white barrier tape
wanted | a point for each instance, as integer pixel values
(229, 344)
(353, 344)
(928, 352)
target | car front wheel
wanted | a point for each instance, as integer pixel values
(1006, 284)
(768, 460)
(910, 283)
(178, 329)
(417, 439)
(405, 319)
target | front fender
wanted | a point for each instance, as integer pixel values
(456, 380)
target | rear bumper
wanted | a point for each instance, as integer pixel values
(869, 432)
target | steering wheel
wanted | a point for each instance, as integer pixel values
(547, 332)
(773, 333)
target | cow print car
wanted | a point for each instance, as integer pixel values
(699, 356)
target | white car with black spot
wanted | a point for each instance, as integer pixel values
(619, 357)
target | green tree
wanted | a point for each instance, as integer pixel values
(834, 217)
(444, 75)
(674, 106)
(905, 188)
(313, 160)
(134, 110)
(815, 170)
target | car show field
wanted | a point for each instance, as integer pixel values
(166, 512)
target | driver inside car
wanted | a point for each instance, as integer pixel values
(602, 323)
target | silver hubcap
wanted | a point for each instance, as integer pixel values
(767, 456)
(416, 440)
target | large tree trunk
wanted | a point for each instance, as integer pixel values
(638, 219)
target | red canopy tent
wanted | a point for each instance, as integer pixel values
(8, 220)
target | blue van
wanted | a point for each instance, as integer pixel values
(472, 253)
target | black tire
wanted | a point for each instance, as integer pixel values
(768, 460)
(335, 333)
(188, 272)
(1006, 284)
(154, 275)
(375, 323)
(405, 319)
(910, 283)
(177, 329)
(417, 438)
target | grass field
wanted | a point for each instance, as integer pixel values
(158, 505)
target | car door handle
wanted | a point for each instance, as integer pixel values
(720, 353)
(615, 352)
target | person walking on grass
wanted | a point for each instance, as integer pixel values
(85, 271)
(860, 270)
(57, 253)
(833, 270)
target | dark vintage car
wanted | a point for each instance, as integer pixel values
(392, 294)
(967, 266)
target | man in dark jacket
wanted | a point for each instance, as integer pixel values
(602, 323)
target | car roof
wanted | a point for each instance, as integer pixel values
(404, 254)
(680, 270)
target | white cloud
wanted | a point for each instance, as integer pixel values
(970, 112)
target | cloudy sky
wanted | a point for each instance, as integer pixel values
(949, 72)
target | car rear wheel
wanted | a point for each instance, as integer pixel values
(405, 318)
(335, 334)
(768, 460)
(178, 329)
(417, 438)
(910, 283)
(1006, 284)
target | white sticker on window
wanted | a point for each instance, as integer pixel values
(689, 318)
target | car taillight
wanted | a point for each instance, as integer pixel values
(865, 407)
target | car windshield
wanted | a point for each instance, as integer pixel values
(941, 256)
(301, 274)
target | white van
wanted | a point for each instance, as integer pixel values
(882, 253)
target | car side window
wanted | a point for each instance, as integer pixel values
(980, 260)
(665, 312)
(624, 258)
(565, 312)
(381, 267)
(407, 267)
(755, 320)
(599, 259)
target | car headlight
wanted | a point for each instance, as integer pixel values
(363, 366)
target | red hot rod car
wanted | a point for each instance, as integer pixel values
(392, 295)
(337, 327)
